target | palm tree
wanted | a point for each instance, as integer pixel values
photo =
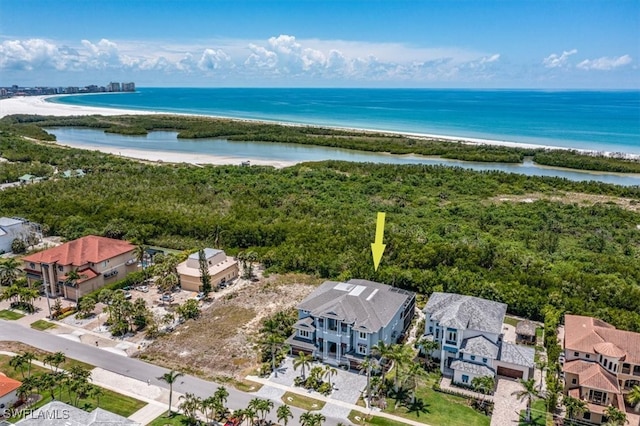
(73, 277)
(414, 374)
(328, 372)
(428, 346)
(306, 419)
(528, 393)
(284, 414)
(483, 385)
(18, 363)
(633, 398)
(304, 361)
(382, 350)
(367, 365)
(542, 366)
(317, 419)
(274, 341)
(574, 406)
(400, 355)
(614, 416)
(170, 378)
(96, 392)
(54, 360)
(8, 271)
(189, 406)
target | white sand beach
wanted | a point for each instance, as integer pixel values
(38, 105)
(179, 157)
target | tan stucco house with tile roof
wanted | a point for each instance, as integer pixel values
(602, 364)
(98, 260)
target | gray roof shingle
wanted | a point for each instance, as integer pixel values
(472, 368)
(517, 354)
(480, 346)
(466, 312)
(56, 412)
(367, 305)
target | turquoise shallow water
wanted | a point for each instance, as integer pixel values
(602, 121)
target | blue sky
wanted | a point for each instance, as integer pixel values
(315, 43)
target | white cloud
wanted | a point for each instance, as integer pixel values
(30, 54)
(556, 61)
(605, 63)
(214, 60)
(278, 56)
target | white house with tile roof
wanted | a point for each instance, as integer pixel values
(468, 331)
(340, 322)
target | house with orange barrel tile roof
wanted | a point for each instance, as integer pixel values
(97, 260)
(602, 365)
(8, 392)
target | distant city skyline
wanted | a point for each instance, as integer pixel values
(591, 44)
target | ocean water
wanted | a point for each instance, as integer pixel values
(596, 120)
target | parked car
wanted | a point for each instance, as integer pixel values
(167, 297)
(561, 358)
(126, 294)
(199, 296)
(143, 288)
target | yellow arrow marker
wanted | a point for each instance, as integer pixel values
(377, 248)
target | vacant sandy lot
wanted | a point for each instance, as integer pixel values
(221, 342)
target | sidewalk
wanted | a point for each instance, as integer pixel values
(329, 401)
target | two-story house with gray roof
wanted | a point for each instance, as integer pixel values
(340, 322)
(468, 331)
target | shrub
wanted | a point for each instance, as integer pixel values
(18, 246)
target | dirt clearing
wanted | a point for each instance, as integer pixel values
(222, 341)
(570, 198)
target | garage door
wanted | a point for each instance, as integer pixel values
(510, 372)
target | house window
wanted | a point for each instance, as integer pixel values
(576, 354)
(598, 397)
(104, 264)
(32, 265)
(587, 415)
(473, 357)
(60, 268)
(460, 355)
(465, 378)
(588, 356)
(452, 336)
(362, 335)
(484, 360)
(437, 333)
(431, 329)
(303, 333)
(574, 381)
(362, 349)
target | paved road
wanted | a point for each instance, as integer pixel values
(130, 367)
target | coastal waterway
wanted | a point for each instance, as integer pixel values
(168, 143)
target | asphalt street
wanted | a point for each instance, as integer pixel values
(131, 367)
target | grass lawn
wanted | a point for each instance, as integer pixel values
(358, 418)
(539, 416)
(42, 325)
(539, 332)
(109, 400)
(174, 420)
(511, 321)
(304, 402)
(9, 315)
(246, 385)
(10, 372)
(439, 408)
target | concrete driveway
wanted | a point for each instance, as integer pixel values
(506, 409)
